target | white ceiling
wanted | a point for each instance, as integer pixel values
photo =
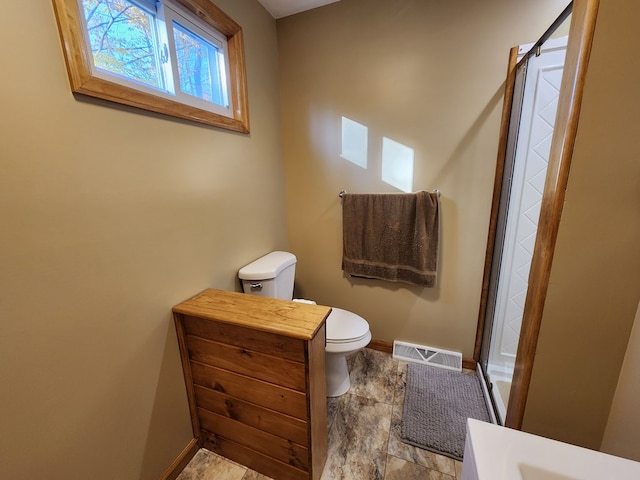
(283, 8)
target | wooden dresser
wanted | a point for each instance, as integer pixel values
(255, 376)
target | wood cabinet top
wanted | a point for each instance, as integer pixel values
(282, 317)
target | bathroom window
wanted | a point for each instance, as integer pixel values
(178, 57)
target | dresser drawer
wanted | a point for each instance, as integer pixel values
(274, 397)
(276, 423)
(264, 342)
(262, 442)
(252, 459)
(247, 362)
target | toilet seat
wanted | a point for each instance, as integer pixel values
(345, 331)
(346, 327)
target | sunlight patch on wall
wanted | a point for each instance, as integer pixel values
(397, 165)
(354, 142)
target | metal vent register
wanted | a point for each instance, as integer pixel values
(435, 357)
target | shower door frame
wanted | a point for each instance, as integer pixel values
(515, 85)
(581, 32)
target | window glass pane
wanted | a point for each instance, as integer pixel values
(200, 66)
(123, 40)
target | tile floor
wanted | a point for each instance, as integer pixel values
(364, 433)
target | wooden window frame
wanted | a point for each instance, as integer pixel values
(79, 61)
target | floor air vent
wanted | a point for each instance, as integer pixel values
(435, 357)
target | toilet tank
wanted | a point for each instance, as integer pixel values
(270, 276)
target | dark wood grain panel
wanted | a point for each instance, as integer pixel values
(247, 362)
(256, 340)
(186, 371)
(252, 459)
(317, 388)
(253, 415)
(257, 440)
(261, 393)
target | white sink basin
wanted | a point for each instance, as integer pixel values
(497, 453)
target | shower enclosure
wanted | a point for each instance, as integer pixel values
(536, 87)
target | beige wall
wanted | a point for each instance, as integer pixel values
(429, 75)
(622, 433)
(109, 218)
(594, 285)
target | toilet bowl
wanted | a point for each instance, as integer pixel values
(272, 276)
(347, 333)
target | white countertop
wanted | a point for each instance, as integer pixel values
(493, 452)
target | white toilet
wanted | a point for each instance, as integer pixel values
(272, 276)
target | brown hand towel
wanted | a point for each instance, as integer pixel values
(391, 236)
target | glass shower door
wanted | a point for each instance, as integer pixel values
(536, 91)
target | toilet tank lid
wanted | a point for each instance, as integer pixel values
(267, 267)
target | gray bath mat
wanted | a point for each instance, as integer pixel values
(436, 407)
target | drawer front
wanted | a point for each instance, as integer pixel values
(265, 443)
(252, 459)
(248, 362)
(284, 426)
(280, 399)
(258, 341)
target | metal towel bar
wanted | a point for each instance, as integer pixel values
(342, 192)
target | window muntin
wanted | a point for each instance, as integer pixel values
(149, 72)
